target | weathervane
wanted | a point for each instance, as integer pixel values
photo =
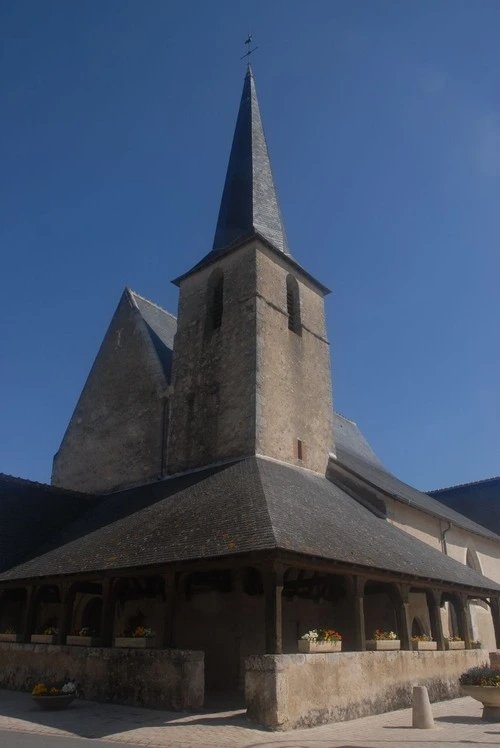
(249, 51)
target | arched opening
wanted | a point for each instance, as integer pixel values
(314, 600)
(293, 305)
(380, 609)
(47, 610)
(215, 300)
(91, 615)
(417, 628)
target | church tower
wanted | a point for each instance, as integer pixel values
(251, 366)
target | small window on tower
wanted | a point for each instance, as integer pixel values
(218, 303)
(215, 300)
(293, 305)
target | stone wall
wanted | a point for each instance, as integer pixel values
(157, 678)
(286, 692)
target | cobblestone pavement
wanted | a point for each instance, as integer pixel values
(458, 723)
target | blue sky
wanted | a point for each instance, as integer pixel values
(383, 123)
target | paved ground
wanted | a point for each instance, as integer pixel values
(458, 723)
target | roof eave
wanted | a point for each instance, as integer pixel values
(214, 257)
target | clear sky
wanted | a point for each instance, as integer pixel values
(383, 123)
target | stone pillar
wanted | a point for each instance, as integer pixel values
(169, 610)
(107, 612)
(29, 613)
(464, 619)
(67, 595)
(495, 614)
(272, 576)
(402, 604)
(434, 606)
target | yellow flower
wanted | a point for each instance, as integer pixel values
(55, 692)
(39, 689)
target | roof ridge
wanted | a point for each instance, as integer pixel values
(462, 485)
(148, 301)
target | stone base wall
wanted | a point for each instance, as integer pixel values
(157, 678)
(286, 692)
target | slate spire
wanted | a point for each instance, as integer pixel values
(249, 202)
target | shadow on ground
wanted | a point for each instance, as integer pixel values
(88, 719)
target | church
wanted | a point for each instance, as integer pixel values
(205, 488)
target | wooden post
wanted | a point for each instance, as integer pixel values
(273, 588)
(356, 638)
(107, 612)
(464, 619)
(495, 614)
(434, 606)
(402, 603)
(169, 610)
(29, 613)
(67, 595)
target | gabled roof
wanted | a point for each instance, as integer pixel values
(254, 504)
(480, 501)
(32, 512)
(161, 326)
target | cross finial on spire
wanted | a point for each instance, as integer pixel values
(249, 51)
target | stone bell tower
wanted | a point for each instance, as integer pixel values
(251, 365)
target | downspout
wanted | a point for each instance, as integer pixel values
(443, 538)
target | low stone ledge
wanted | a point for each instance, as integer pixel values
(286, 692)
(155, 678)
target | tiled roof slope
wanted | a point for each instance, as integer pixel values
(250, 505)
(161, 326)
(348, 438)
(480, 501)
(30, 513)
(381, 478)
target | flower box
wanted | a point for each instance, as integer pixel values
(382, 645)
(136, 642)
(83, 641)
(423, 646)
(310, 647)
(454, 645)
(44, 638)
(11, 637)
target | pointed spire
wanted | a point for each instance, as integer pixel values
(249, 202)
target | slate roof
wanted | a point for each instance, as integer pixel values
(249, 202)
(378, 476)
(253, 504)
(161, 326)
(348, 438)
(32, 512)
(480, 501)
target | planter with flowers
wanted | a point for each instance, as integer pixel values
(454, 642)
(320, 640)
(139, 638)
(483, 684)
(423, 643)
(84, 637)
(10, 635)
(476, 644)
(51, 697)
(382, 641)
(48, 636)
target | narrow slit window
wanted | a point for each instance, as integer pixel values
(218, 304)
(293, 305)
(299, 449)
